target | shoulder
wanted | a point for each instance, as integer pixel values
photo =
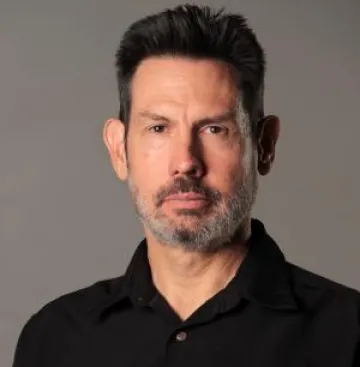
(57, 323)
(79, 304)
(318, 292)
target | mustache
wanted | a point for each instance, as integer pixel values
(185, 185)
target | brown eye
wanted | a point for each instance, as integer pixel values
(214, 129)
(157, 128)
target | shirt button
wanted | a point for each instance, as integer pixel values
(181, 336)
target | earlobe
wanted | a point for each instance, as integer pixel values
(114, 139)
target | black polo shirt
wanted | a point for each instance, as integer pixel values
(271, 314)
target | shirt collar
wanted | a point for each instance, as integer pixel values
(264, 272)
(135, 286)
(262, 277)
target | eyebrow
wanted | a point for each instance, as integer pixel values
(229, 115)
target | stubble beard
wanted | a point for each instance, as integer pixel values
(217, 225)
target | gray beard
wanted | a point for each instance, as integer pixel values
(215, 229)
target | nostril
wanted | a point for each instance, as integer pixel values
(186, 162)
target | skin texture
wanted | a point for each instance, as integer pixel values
(188, 133)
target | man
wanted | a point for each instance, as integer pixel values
(207, 286)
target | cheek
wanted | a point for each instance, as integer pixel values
(228, 166)
(148, 170)
(224, 172)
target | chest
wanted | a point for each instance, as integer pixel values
(231, 340)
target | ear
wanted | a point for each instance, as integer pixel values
(267, 136)
(114, 139)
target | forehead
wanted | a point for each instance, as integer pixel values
(183, 82)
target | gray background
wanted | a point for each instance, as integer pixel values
(65, 220)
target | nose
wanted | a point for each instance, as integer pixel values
(186, 158)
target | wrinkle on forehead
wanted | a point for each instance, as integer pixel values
(184, 78)
(188, 90)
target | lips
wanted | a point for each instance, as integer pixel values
(186, 196)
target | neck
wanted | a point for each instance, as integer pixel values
(188, 279)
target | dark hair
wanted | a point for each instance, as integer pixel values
(194, 32)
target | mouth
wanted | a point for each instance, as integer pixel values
(187, 200)
(185, 196)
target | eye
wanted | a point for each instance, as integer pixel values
(157, 128)
(215, 129)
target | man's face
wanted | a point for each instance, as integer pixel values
(190, 158)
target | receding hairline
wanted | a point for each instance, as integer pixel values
(231, 69)
(233, 42)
